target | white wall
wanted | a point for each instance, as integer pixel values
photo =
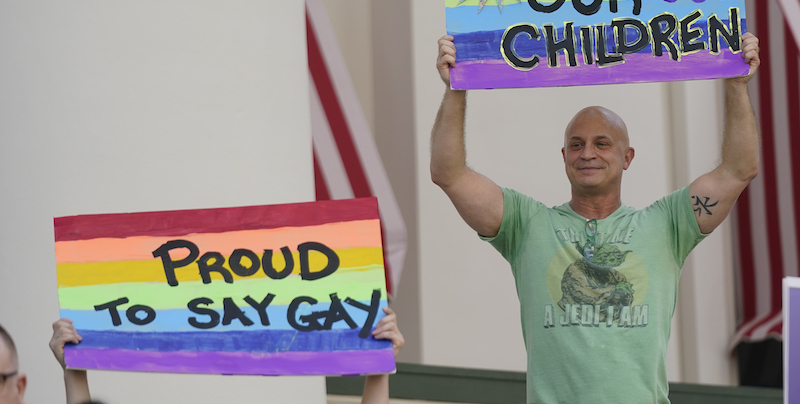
(111, 106)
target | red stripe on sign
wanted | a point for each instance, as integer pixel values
(747, 268)
(768, 153)
(182, 222)
(335, 115)
(320, 185)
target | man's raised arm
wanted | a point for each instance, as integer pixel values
(714, 193)
(478, 200)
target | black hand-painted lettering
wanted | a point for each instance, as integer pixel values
(662, 27)
(508, 47)
(637, 6)
(587, 10)
(732, 37)
(261, 307)
(215, 266)
(688, 35)
(372, 309)
(194, 307)
(582, 8)
(112, 309)
(235, 262)
(169, 264)
(624, 46)
(336, 313)
(149, 314)
(554, 45)
(305, 269)
(586, 44)
(545, 9)
(310, 321)
(232, 311)
(603, 57)
(270, 270)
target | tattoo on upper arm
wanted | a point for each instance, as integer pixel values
(703, 205)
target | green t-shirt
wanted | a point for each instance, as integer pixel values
(597, 332)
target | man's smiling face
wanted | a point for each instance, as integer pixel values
(596, 151)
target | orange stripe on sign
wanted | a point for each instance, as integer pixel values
(353, 234)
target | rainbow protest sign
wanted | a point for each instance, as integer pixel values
(270, 290)
(545, 43)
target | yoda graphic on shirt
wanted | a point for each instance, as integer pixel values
(597, 282)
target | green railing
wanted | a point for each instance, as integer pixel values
(460, 385)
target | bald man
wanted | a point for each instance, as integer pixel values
(597, 280)
(12, 382)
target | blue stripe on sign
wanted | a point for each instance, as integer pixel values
(231, 341)
(177, 320)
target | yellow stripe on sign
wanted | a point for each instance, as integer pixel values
(101, 273)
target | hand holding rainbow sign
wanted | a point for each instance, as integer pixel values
(545, 43)
(199, 291)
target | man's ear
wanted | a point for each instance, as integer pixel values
(563, 156)
(628, 157)
(22, 383)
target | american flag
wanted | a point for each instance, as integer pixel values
(767, 218)
(346, 159)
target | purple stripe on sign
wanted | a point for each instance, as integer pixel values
(793, 347)
(636, 69)
(235, 363)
